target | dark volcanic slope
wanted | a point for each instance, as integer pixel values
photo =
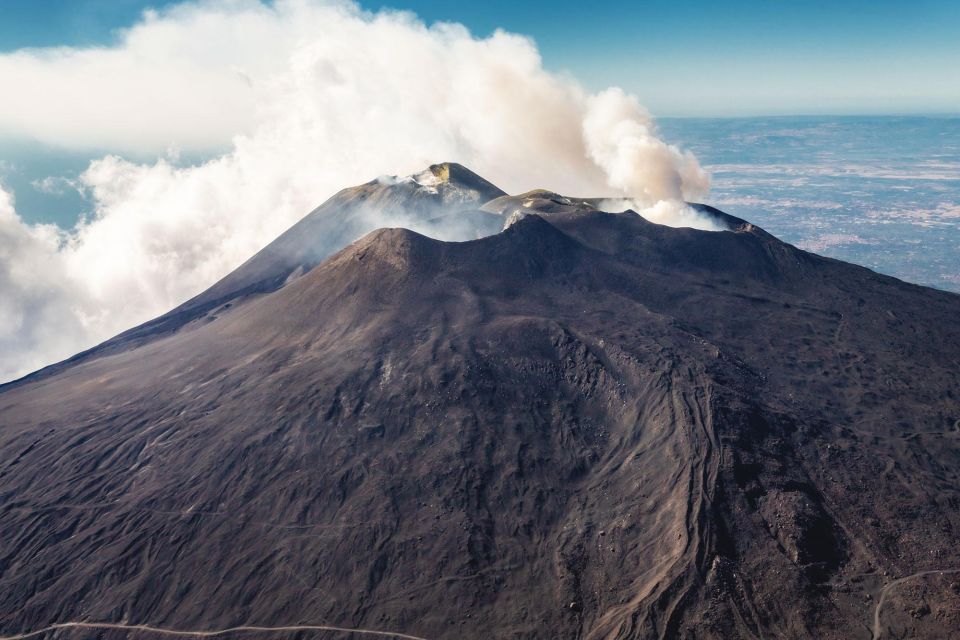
(586, 426)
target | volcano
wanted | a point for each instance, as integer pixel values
(521, 417)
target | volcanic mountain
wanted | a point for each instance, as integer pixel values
(584, 425)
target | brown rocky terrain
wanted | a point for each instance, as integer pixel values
(584, 426)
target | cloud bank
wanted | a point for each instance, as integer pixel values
(302, 98)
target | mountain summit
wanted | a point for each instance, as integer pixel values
(585, 425)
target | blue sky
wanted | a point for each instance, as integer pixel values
(736, 57)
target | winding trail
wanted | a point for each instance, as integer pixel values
(877, 628)
(206, 634)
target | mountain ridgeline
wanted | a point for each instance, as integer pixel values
(520, 417)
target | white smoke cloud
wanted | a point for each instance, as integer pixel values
(307, 97)
(40, 310)
(621, 139)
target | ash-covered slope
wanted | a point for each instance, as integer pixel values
(585, 426)
(442, 201)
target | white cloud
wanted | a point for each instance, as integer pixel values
(40, 311)
(308, 97)
(622, 140)
(55, 185)
(186, 78)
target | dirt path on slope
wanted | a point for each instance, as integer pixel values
(887, 590)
